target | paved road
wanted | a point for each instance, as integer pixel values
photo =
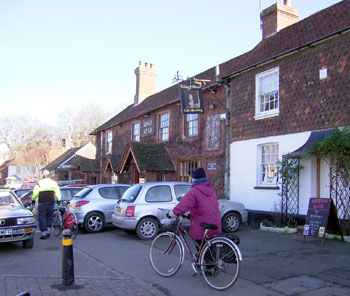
(116, 263)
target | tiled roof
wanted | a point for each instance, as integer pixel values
(153, 102)
(6, 163)
(115, 161)
(87, 164)
(62, 158)
(152, 157)
(324, 23)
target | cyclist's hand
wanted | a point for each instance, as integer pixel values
(171, 214)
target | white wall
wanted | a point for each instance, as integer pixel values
(243, 171)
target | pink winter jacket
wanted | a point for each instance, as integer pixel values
(203, 205)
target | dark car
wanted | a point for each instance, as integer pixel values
(16, 222)
(21, 191)
(67, 194)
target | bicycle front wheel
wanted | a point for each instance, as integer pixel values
(56, 223)
(166, 254)
(220, 263)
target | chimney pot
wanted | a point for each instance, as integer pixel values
(288, 3)
(277, 17)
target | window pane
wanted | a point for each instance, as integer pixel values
(159, 194)
(268, 165)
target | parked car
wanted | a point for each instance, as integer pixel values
(67, 194)
(94, 205)
(21, 191)
(16, 222)
(139, 208)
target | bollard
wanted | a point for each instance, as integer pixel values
(67, 258)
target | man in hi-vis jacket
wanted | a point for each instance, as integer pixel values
(47, 192)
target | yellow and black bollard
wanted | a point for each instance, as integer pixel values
(67, 258)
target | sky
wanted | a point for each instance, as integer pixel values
(65, 54)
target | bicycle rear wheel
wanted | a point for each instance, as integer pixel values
(166, 254)
(56, 223)
(70, 221)
(220, 263)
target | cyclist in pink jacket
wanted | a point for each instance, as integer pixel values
(203, 205)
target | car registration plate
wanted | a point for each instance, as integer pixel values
(6, 231)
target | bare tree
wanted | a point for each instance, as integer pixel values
(76, 126)
(28, 141)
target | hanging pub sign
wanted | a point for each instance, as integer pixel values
(191, 97)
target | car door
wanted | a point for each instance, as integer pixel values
(158, 197)
(180, 190)
(110, 195)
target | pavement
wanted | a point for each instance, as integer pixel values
(273, 264)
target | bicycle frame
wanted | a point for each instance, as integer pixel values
(180, 232)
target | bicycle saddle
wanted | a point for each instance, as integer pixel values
(209, 226)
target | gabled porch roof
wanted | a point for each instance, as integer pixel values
(148, 157)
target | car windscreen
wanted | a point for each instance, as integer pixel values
(83, 193)
(6, 198)
(131, 194)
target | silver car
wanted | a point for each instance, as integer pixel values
(94, 205)
(16, 222)
(139, 208)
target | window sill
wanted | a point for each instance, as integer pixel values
(266, 115)
(267, 187)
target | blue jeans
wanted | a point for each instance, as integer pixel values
(45, 216)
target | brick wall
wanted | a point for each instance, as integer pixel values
(306, 102)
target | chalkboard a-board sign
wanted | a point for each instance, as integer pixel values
(321, 218)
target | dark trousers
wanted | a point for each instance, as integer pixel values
(45, 212)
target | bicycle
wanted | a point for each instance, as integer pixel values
(62, 219)
(218, 259)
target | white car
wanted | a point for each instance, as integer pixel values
(139, 208)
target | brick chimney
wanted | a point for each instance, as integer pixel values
(278, 17)
(146, 77)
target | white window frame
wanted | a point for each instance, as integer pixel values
(164, 126)
(268, 155)
(109, 141)
(267, 94)
(191, 125)
(136, 128)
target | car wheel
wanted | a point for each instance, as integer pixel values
(94, 222)
(147, 229)
(231, 222)
(28, 244)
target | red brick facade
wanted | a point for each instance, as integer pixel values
(306, 102)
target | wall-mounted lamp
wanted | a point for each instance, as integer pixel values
(212, 106)
(147, 114)
(213, 91)
(120, 125)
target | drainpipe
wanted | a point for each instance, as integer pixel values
(101, 153)
(227, 139)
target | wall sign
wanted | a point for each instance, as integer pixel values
(211, 166)
(148, 127)
(321, 218)
(191, 97)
